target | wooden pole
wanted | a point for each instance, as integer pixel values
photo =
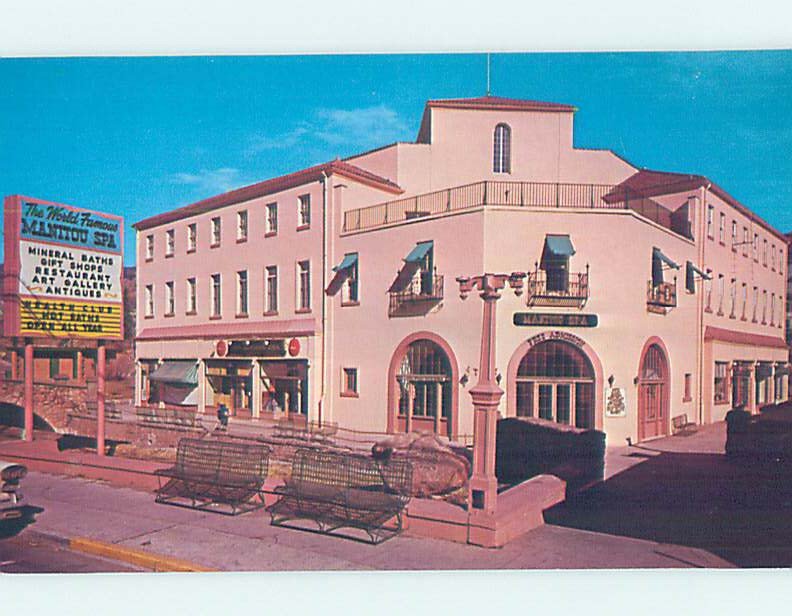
(28, 430)
(100, 398)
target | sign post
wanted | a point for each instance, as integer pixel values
(28, 431)
(100, 398)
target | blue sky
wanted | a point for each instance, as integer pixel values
(139, 136)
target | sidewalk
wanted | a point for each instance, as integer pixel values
(84, 506)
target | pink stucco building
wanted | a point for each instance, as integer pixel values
(329, 294)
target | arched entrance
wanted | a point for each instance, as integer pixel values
(556, 381)
(422, 387)
(653, 392)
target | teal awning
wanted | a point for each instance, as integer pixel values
(176, 372)
(349, 260)
(343, 271)
(658, 254)
(690, 276)
(420, 251)
(558, 246)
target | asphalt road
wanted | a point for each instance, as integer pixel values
(30, 552)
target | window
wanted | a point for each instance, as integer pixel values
(734, 235)
(781, 261)
(242, 226)
(242, 293)
(764, 253)
(745, 241)
(149, 300)
(304, 285)
(216, 296)
(501, 149)
(773, 258)
(149, 247)
(710, 215)
(272, 218)
(721, 284)
(350, 383)
(169, 299)
(191, 303)
(772, 309)
(271, 286)
(764, 307)
(722, 229)
(688, 387)
(170, 242)
(708, 283)
(555, 381)
(351, 286)
(744, 300)
(733, 297)
(756, 247)
(192, 236)
(721, 385)
(304, 214)
(216, 231)
(755, 303)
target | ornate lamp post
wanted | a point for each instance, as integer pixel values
(486, 394)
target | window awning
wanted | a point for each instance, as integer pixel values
(176, 372)
(690, 272)
(557, 246)
(420, 251)
(412, 263)
(658, 259)
(343, 270)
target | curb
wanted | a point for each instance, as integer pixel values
(134, 556)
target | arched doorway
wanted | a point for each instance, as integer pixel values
(653, 392)
(423, 387)
(555, 381)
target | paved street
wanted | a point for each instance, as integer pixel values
(30, 552)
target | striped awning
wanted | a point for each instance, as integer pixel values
(176, 372)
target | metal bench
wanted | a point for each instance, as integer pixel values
(211, 473)
(681, 426)
(112, 412)
(339, 490)
(169, 418)
(312, 431)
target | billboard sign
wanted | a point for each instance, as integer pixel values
(64, 271)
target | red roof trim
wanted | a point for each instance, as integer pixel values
(290, 327)
(649, 183)
(498, 103)
(268, 187)
(729, 335)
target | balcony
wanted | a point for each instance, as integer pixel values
(661, 296)
(422, 294)
(570, 293)
(545, 195)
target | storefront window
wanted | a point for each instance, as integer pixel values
(555, 381)
(720, 383)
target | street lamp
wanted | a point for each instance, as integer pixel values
(486, 394)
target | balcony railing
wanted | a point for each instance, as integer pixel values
(663, 295)
(421, 295)
(550, 195)
(573, 291)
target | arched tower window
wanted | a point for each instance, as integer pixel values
(501, 149)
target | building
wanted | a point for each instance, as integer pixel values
(330, 294)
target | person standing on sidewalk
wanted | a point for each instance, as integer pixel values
(222, 417)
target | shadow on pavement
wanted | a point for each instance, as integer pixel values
(9, 528)
(734, 510)
(74, 441)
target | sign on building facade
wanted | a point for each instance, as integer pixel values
(64, 271)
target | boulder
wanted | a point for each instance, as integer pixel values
(438, 468)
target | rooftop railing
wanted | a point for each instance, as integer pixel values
(550, 195)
